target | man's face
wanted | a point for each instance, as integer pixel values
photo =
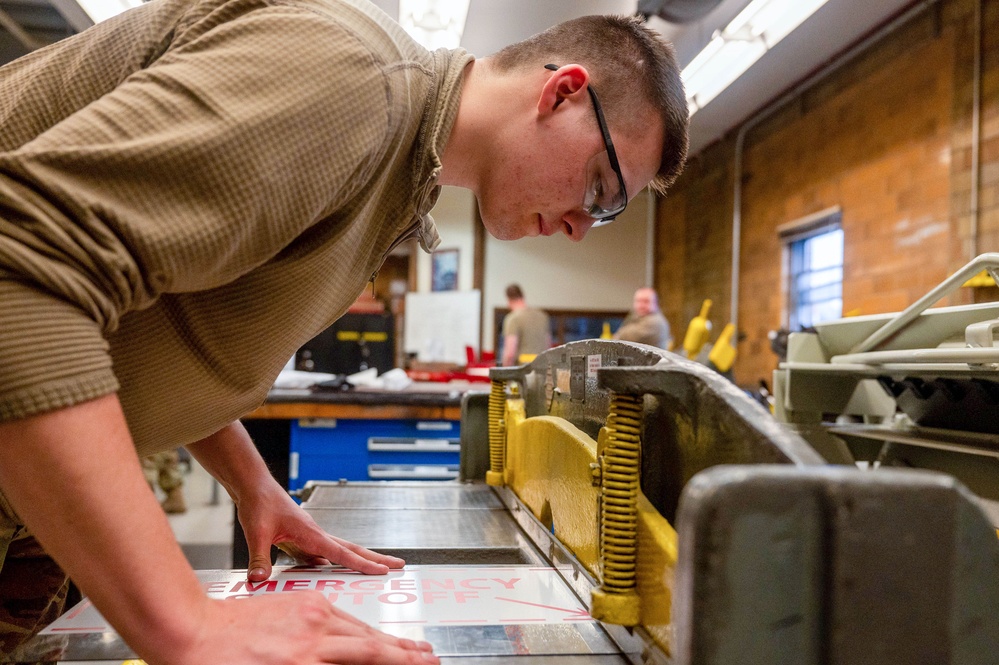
(539, 180)
(643, 303)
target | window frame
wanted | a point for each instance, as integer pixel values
(793, 237)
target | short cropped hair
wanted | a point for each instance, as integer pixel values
(622, 56)
(513, 292)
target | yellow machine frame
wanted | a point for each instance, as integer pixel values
(587, 494)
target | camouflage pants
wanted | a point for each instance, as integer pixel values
(163, 469)
(33, 588)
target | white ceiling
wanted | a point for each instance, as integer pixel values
(492, 24)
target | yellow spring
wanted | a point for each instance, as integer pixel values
(620, 485)
(497, 445)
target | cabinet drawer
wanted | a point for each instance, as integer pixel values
(331, 449)
(412, 471)
(407, 444)
(303, 468)
(425, 429)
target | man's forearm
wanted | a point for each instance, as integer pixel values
(230, 456)
(75, 480)
(510, 345)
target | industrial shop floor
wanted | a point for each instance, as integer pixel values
(205, 530)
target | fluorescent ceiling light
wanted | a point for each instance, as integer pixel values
(101, 10)
(434, 23)
(733, 50)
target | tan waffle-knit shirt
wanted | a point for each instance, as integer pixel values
(531, 328)
(190, 191)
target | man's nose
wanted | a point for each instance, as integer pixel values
(576, 224)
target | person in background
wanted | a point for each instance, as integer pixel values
(526, 331)
(645, 324)
(193, 189)
(163, 469)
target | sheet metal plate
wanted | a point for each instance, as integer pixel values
(450, 660)
(462, 524)
(469, 614)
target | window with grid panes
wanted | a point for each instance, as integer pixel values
(815, 271)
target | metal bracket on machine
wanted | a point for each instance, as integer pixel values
(833, 566)
(779, 558)
(638, 422)
(919, 388)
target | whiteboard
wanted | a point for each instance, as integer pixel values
(440, 324)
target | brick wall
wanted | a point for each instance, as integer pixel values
(886, 138)
(693, 248)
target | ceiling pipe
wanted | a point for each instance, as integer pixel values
(650, 239)
(677, 11)
(73, 13)
(768, 110)
(19, 33)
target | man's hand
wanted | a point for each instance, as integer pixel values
(300, 627)
(271, 517)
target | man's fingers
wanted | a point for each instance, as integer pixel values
(393, 562)
(365, 651)
(346, 557)
(347, 618)
(260, 562)
(344, 553)
(346, 624)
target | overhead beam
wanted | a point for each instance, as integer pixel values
(20, 34)
(73, 13)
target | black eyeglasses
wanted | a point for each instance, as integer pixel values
(605, 197)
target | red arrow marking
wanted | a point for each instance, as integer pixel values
(579, 612)
(76, 629)
(84, 605)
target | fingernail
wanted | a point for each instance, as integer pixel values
(431, 658)
(256, 572)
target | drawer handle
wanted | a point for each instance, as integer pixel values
(403, 444)
(412, 471)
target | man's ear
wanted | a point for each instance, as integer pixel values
(568, 82)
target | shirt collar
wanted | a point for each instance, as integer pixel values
(442, 105)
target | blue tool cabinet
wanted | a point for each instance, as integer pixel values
(372, 449)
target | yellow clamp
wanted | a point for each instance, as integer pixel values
(697, 332)
(722, 354)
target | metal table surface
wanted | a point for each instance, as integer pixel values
(463, 526)
(424, 523)
(475, 585)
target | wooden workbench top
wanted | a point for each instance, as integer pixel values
(420, 400)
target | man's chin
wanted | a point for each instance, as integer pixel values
(504, 231)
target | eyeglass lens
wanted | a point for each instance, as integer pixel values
(603, 196)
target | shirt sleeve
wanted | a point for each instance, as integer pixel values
(643, 330)
(509, 324)
(187, 175)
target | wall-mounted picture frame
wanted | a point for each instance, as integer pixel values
(444, 270)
